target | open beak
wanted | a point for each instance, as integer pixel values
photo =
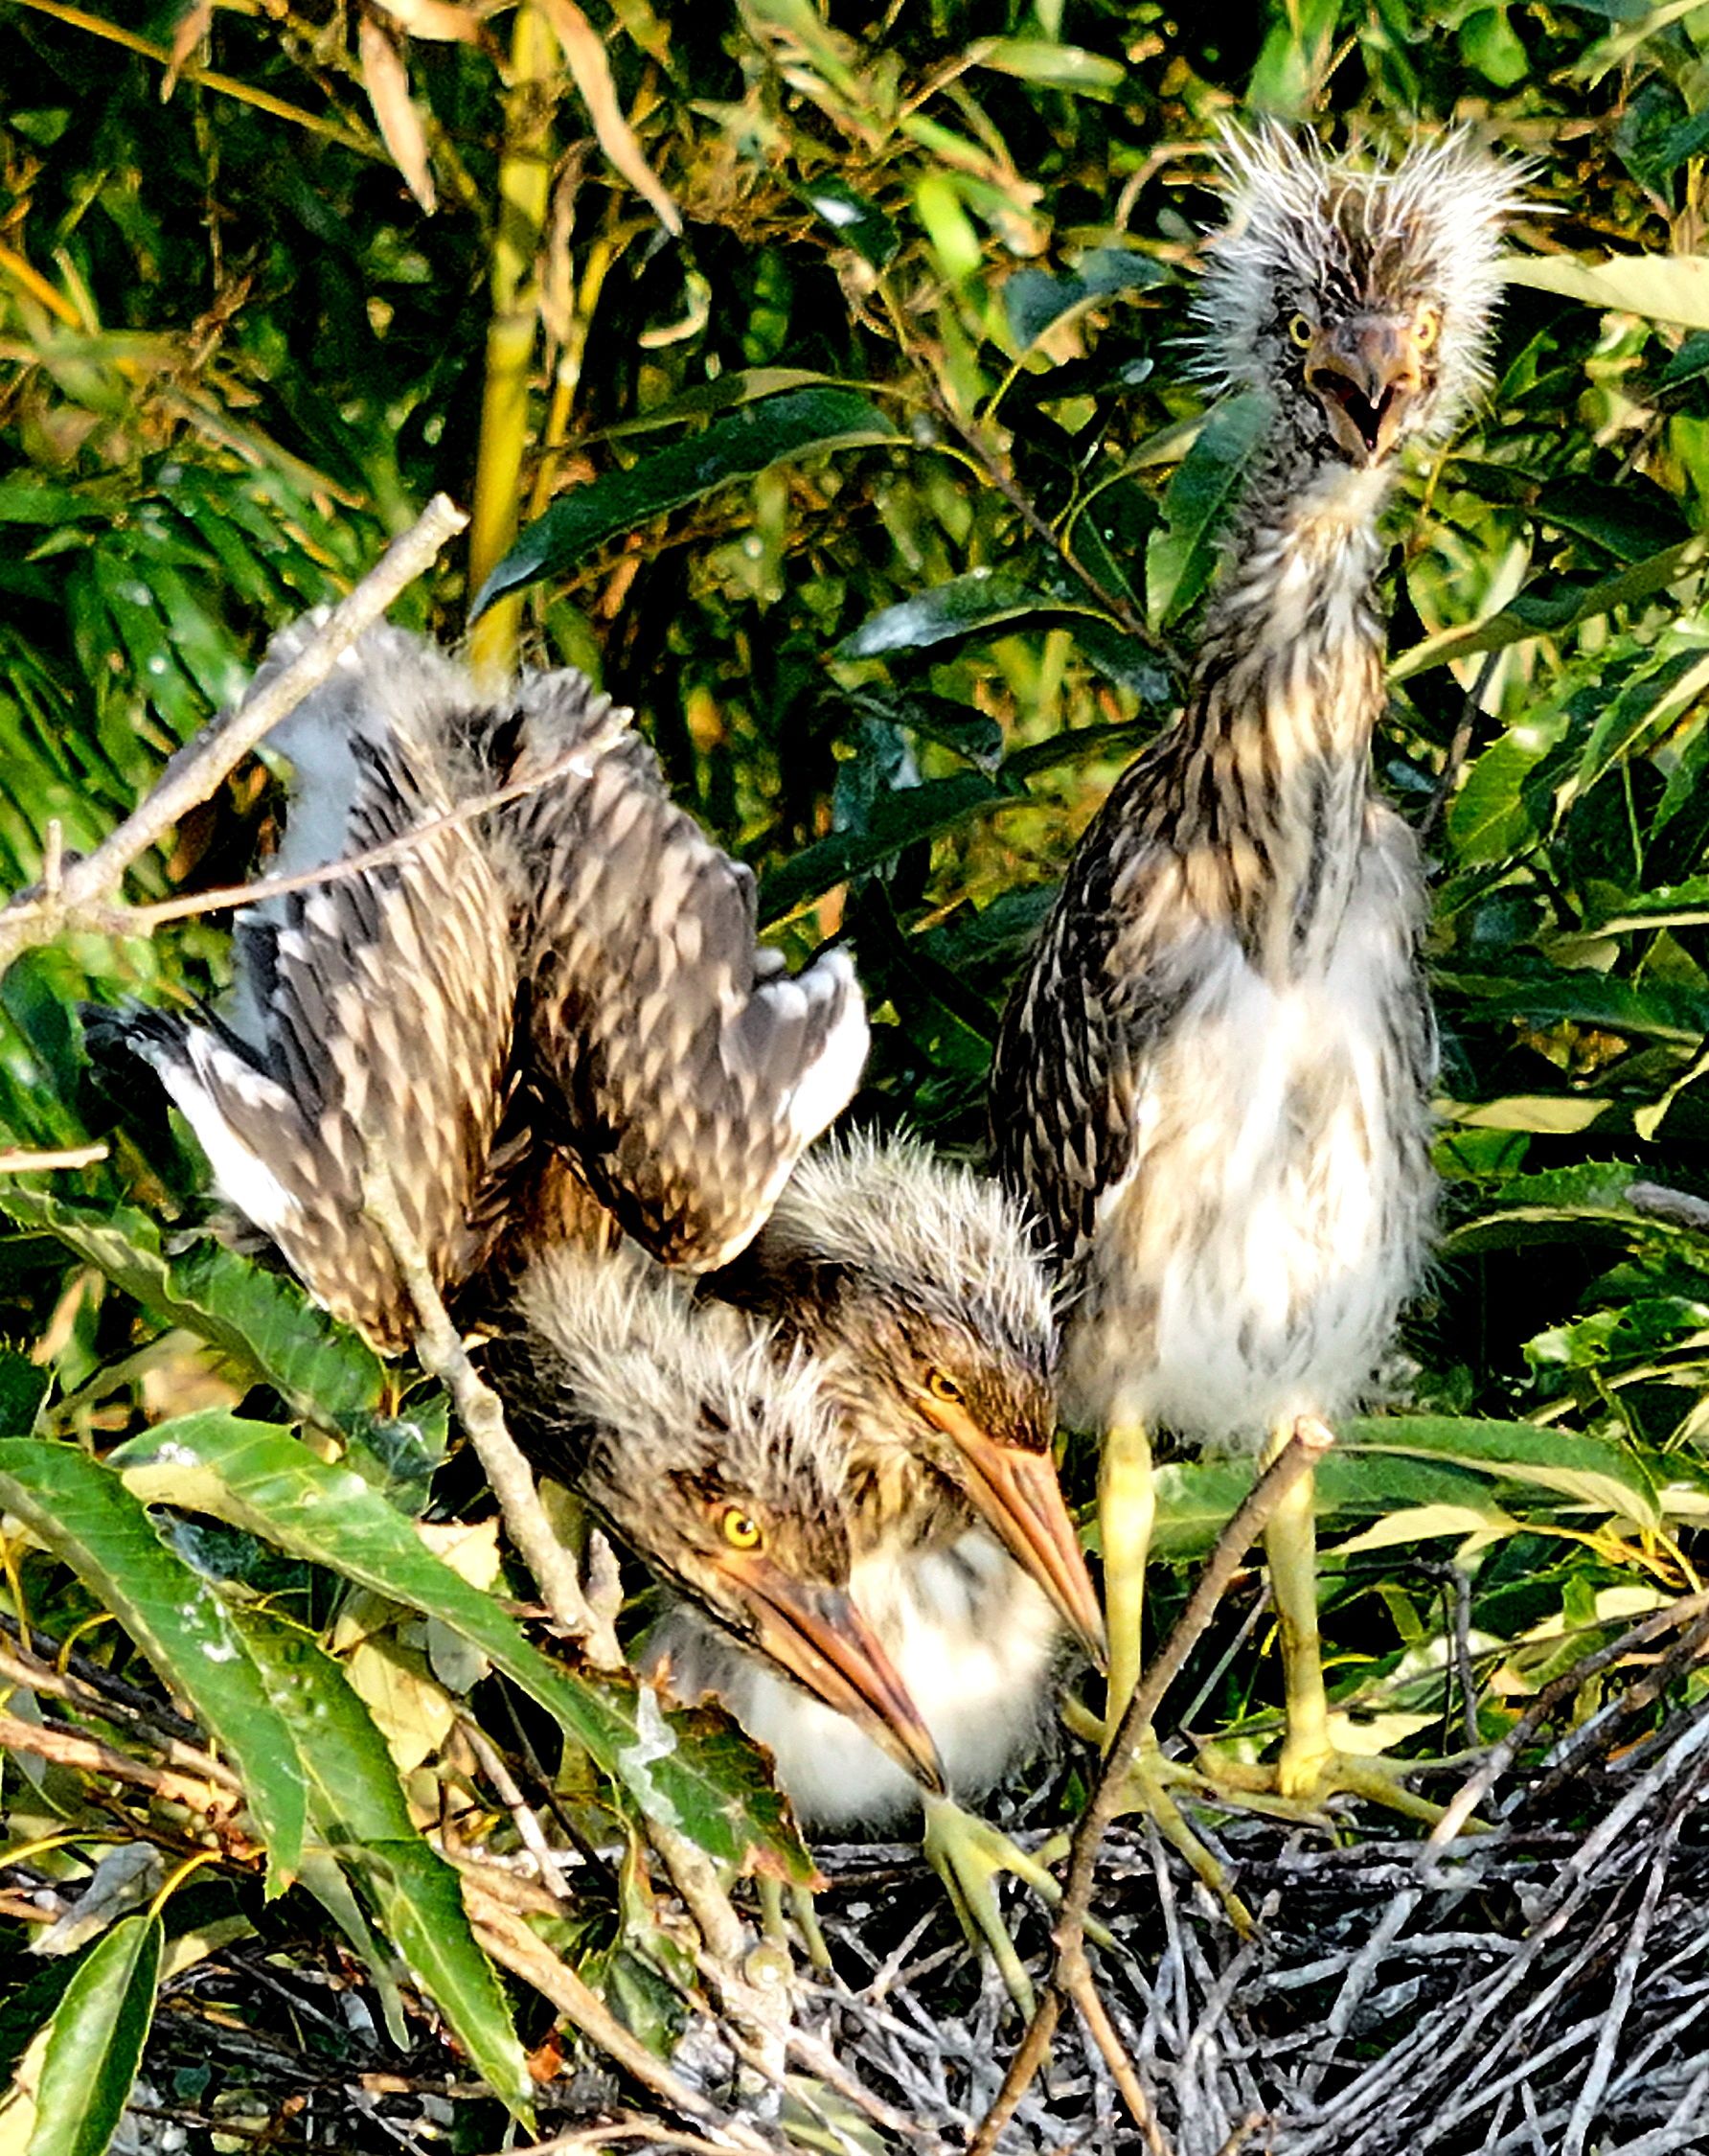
(1365, 371)
(817, 1635)
(1020, 1499)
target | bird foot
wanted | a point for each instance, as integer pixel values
(1152, 1781)
(967, 1853)
(804, 1914)
(1300, 1782)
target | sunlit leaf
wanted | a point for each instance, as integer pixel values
(260, 1479)
(84, 1513)
(802, 423)
(95, 2042)
(1669, 287)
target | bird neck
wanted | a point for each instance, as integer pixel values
(1274, 775)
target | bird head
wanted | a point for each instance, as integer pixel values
(718, 1462)
(917, 1285)
(1358, 300)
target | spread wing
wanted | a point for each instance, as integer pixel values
(373, 1017)
(676, 1061)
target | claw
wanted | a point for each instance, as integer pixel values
(967, 1853)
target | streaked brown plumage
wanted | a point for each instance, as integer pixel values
(1212, 1079)
(717, 1456)
(548, 1023)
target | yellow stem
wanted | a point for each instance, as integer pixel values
(524, 188)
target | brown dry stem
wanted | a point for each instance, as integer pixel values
(1070, 1981)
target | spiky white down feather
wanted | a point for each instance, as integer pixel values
(1251, 1262)
(901, 1215)
(974, 1643)
(1435, 218)
(643, 1359)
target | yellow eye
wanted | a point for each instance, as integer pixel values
(1300, 331)
(740, 1529)
(942, 1387)
(1426, 329)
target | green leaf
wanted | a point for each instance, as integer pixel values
(84, 1514)
(1063, 67)
(858, 223)
(1035, 302)
(23, 1387)
(95, 2042)
(980, 600)
(262, 1319)
(803, 423)
(253, 1476)
(1533, 616)
(1558, 1206)
(356, 1809)
(903, 818)
(1653, 1009)
(1586, 1469)
(1179, 558)
(1664, 287)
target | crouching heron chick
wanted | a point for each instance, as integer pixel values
(718, 1462)
(553, 1020)
(918, 1291)
(1212, 1079)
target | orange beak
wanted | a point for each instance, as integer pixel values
(817, 1635)
(1365, 373)
(1019, 1497)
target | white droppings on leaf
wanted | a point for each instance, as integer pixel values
(655, 1740)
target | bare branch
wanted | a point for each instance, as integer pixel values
(73, 897)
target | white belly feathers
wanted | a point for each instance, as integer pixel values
(974, 1642)
(1274, 1215)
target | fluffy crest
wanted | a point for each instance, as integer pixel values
(645, 1386)
(1324, 238)
(924, 1231)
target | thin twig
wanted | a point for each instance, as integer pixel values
(138, 920)
(1071, 1976)
(19, 1161)
(442, 1355)
(38, 916)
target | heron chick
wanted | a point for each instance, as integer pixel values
(1212, 1079)
(915, 1285)
(717, 1460)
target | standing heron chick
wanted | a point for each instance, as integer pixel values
(917, 1289)
(1212, 1079)
(720, 1462)
(553, 1020)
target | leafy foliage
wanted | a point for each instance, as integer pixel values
(882, 490)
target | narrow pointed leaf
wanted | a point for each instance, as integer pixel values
(261, 1318)
(357, 1811)
(95, 2042)
(903, 820)
(1587, 1469)
(82, 1512)
(252, 1474)
(1665, 287)
(1181, 556)
(983, 599)
(802, 423)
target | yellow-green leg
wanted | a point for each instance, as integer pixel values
(967, 1853)
(1127, 1511)
(806, 1915)
(1311, 1766)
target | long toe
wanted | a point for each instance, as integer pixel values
(967, 1854)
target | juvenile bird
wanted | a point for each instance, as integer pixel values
(718, 1458)
(554, 1020)
(917, 1289)
(1212, 1079)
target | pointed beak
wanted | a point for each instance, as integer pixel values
(1019, 1499)
(818, 1636)
(1365, 373)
